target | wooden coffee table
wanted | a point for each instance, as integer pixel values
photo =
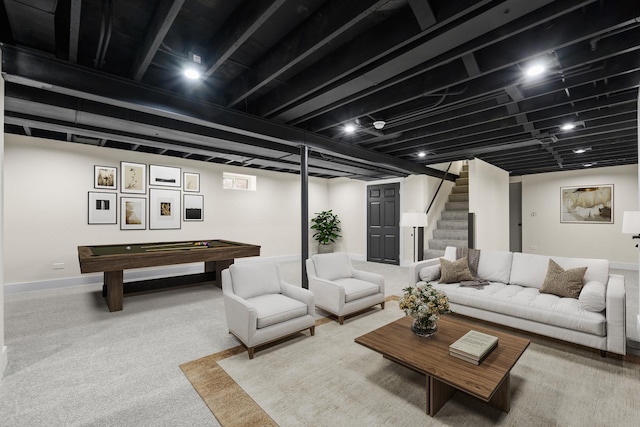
(446, 374)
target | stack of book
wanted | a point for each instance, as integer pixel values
(473, 347)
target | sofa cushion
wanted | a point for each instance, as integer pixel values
(332, 266)
(454, 271)
(250, 280)
(495, 266)
(597, 269)
(593, 296)
(429, 273)
(450, 253)
(276, 308)
(355, 289)
(564, 283)
(530, 269)
(528, 303)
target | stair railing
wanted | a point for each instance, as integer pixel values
(433, 199)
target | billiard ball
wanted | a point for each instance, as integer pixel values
(128, 248)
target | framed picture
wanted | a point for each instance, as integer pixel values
(133, 178)
(102, 208)
(164, 175)
(588, 204)
(192, 182)
(133, 213)
(105, 177)
(193, 207)
(164, 209)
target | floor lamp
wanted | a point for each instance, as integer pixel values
(631, 224)
(415, 220)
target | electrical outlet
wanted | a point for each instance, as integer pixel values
(534, 247)
(58, 265)
(533, 214)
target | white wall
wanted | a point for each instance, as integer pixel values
(348, 199)
(541, 195)
(45, 215)
(489, 200)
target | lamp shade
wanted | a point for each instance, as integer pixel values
(413, 219)
(631, 222)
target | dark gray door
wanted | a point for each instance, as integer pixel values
(515, 217)
(383, 219)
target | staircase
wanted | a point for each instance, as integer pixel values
(452, 227)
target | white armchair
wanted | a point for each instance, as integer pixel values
(261, 307)
(339, 288)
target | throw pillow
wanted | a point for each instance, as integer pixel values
(430, 273)
(454, 271)
(593, 296)
(561, 282)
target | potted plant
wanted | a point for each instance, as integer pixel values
(327, 226)
(425, 304)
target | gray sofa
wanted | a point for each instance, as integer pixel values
(512, 298)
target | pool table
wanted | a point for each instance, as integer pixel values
(112, 260)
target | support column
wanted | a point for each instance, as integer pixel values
(638, 314)
(3, 348)
(304, 213)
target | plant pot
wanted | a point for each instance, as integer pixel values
(325, 248)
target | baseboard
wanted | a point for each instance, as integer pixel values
(624, 266)
(129, 275)
(4, 360)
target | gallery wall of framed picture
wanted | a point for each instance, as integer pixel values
(172, 197)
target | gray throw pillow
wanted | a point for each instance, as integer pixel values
(454, 271)
(563, 283)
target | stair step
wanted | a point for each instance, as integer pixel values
(433, 253)
(462, 181)
(451, 234)
(444, 224)
(455, 215)
(458, 189)
(456, 206)
(459, 197)
(442, 244)
(464, 174)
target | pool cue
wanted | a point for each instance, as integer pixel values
(176, 249)
(166, 245)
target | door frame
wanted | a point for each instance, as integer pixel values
(382, 182)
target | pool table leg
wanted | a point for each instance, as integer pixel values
(217, 267)
(115, 289)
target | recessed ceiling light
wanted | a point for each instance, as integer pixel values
(568, 126)
(581, 150)
(192, 73)
(422, 154)
(349, 128)
(535, 70)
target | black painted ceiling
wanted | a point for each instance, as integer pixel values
(446, 76)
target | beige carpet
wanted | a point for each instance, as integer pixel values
(328, 380)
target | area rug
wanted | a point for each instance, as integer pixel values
(328, 380)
